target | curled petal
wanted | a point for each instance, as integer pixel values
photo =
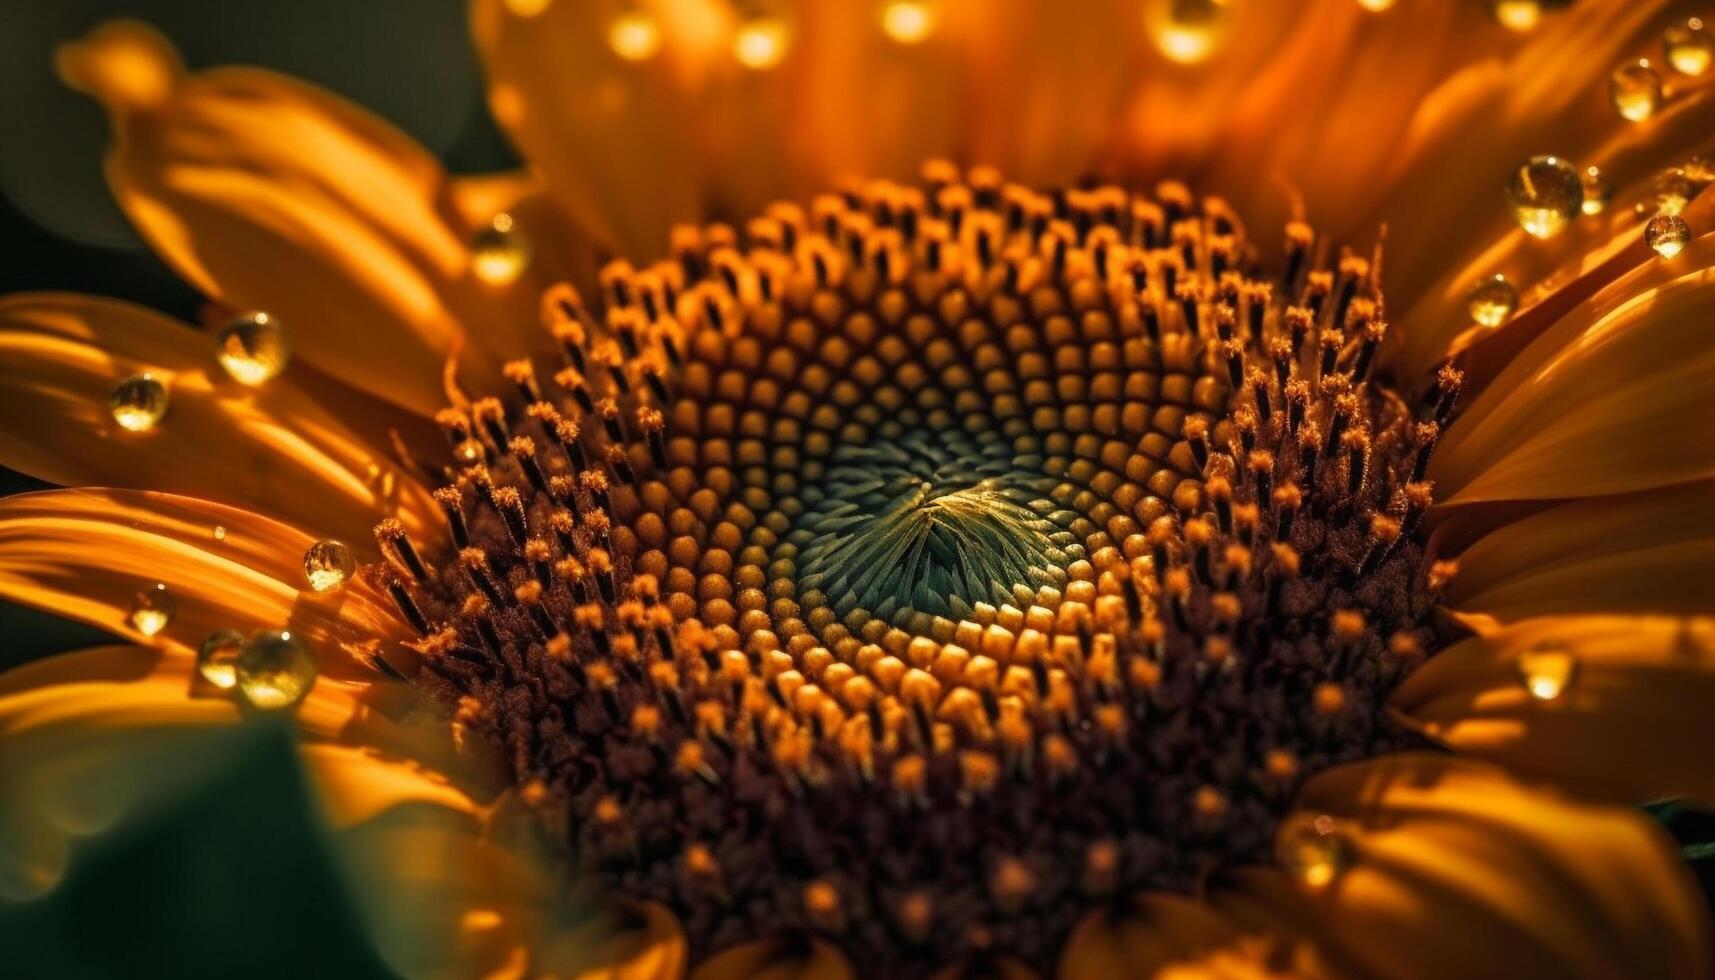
(776, 959)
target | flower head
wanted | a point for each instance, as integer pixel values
(965, 568)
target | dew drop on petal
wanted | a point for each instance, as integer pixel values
(1313, 848)
(1376, 6)
(468, 451)
(1635, 88)
(527, 8)
(761, 42)
(1668, 234)
(1598, 190)
(1492, 300)
(217, 657)
(1674, 189)
(499, 252)
(1547, 670)
(634, 35)
(1518, 15)
(328, 564)
(153, 608)
(275, 669)
(1187, 31)
(1545, 193)
(138, 403)
(908, 21)
(253, 348)
(1689, 45)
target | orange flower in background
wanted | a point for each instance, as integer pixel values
(998, 559)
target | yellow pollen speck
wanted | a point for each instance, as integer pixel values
(1547, 670)
(761, 42)
(908, 21)
(152, 609)
(634, 35)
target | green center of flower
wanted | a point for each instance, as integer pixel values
(931, 523)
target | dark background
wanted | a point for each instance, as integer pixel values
(235, 878)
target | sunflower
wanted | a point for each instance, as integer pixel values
(996, 559)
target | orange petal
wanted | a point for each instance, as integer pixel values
(86, 553)
(988, 969)
(1639, 693)
(1610, 399)
(1647, 552)
(1459, 871)
(266, 193)
(275, 449)
(1158, 935)
(776, 959)
(1550, 96)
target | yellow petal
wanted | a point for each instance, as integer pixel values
(276, 449)
(1648, 552)
(266, 193)
(85, 554)
(1610, 399)
(1637, 698)
(776, 959)
(1459, 871)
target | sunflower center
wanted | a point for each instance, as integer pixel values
(926, 568)
(930, 523)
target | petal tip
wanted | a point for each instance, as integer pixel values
(124, 64)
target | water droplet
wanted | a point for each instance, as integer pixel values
(138, 403)
(634, 35)
(218, 656)
(1668, 234)
(1376, 6)
(527, 8)
(499, 251)
(152, 609)
(1313, 848)
(1635, 89)
(1519, 15)
(1689, 45)
(761, 42)
(1674, 189)
(328, 564)
(1598, 190)
(1545, 193)
(275, 669)
(1546, 670)
(1492, 300)
(1187, 31)
(253, 348)
(908, 21)
(468, 451)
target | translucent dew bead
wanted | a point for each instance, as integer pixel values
(1545, 193)
(1598, 190)
(152, 609)
(275, 669)
(1491, 301)
(1689, 46)
(499, 252)
(1187, 31)
(1546, 671)
(253, 348)
(908, 21)
(138, 403)
(328, 564)
(217, 658)
(1668, 234)
(1313, 849)
(634, 35)
(1635, 89)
